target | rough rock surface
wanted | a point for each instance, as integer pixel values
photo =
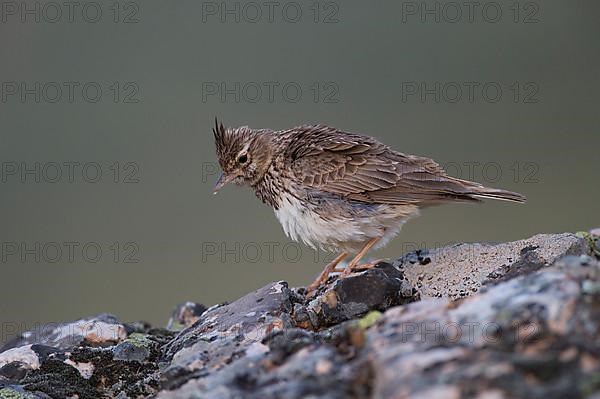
(514, 320)
(185, 315)
(460, 270)
(377, 289)
(97, 330)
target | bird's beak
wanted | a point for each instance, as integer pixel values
(222, 181)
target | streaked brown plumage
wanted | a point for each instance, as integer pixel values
(338, 191)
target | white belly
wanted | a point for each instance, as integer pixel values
(341, 233)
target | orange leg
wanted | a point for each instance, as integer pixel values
(354, 262)
(371, 264)
(325, 273)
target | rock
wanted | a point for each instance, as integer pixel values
(514, 320)
(378, 288)
(99, 330)
(129, 368)
(592, 239)
(460, 270)
(23, 355)
(137, 347)
(16, 362)
(224, 333)
(293, 363)
(17, 392)
(89, 372)
(527, 337)
(184, 315)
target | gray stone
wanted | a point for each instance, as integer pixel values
(17, 392)
(514, 320)
(99, 330)
(136, 348)
(378, 288)
(533, 336)
(224, 333)
(184, 315)
(460, 270)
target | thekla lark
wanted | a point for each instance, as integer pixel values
(338, 191)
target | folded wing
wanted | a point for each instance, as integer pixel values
(361, 168)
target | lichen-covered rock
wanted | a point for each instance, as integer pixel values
(23, 355)
(88, 372)
(184, 315)
(137, 347)
(227, 332)
(91, 370)
(593, 240)
(460, 270)
(526, 324)
(99, 330)
(17, 392)
(16, 362)
(535, 336)
(292, 363)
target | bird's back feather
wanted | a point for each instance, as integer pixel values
(361, 168)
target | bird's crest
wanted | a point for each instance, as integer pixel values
(219, 133)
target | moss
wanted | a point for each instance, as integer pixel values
(10, 393)
(590, 385)
(140, 340)
(369, 319)
(591, 242)
(176, 326)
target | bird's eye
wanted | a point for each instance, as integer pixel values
(243, 158)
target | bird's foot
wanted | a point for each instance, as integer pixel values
(311, 289)
(324, 276)
(369, 265)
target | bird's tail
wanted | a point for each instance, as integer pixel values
(469, 191)
(476, 191)
(495, 193)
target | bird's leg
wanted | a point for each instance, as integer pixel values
(354, 262)
(325, 273)
(371, 264)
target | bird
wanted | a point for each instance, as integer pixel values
(337, 191)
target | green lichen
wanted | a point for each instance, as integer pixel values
(140, 340)
(591, 242)
(590, 385)
(369, 319)
(176, 326)
(10, 393)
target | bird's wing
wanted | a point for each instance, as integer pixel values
(361, 168)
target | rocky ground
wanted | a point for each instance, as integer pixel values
(513, 320)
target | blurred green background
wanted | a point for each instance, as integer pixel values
(149, 78)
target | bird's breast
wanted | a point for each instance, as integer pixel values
(331, 223)
(301, 222)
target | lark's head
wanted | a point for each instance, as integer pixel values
(244, 155)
